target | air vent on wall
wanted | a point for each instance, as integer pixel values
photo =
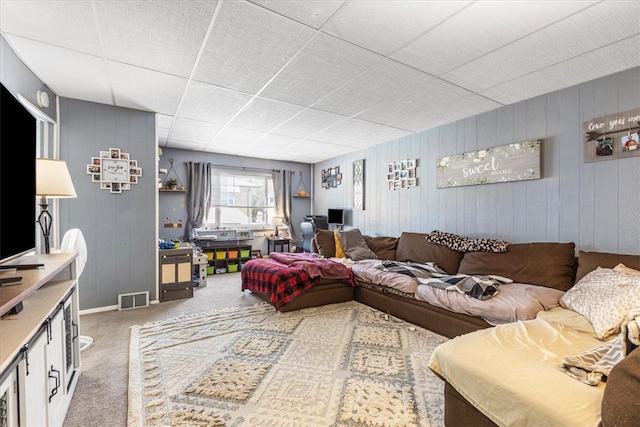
(133, 300)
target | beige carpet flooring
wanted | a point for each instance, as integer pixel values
(100, 398)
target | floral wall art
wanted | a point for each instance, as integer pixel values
(518, 161)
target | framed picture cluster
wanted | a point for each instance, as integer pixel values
(402, 174)
(331, 177)
(612, 137)
(114, 170)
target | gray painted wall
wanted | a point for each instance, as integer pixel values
(172, 205)
(596, 205)
(119, 229)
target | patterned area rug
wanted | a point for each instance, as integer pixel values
(338, 365)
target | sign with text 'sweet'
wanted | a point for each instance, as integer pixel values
(505, 163)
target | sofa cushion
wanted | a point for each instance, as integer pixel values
(413, 247)
(544, 264)
(603, 297)
(325, 243)
(620, 403)
(384, 247)
(465, 244)
(354, 245)
(589, 261)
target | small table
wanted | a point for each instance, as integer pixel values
(277, 245)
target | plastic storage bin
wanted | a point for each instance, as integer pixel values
(233, 268)
(221, 254)
(245, 253)
(211, 270)
(221, 270)
(233, 254)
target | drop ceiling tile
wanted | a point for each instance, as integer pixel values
(144, 89)
(193, 132)
(186, 145)
(311, 13)
(262, 115)
(238, 139)
(163, 135)
(86, 80)
(307, 123)
(344, 131)
(380, 135)
(438, 114)
(211, 104)
(596, 27)
(569, 73)
(68, 24)
(164, 121)
(480, 29)
(435, 92)
(385, 26)
(158, 34)
(323, 66)
(248, 45)
(318, 150)
(383, 81)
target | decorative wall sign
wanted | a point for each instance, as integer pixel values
(358, 185)
(331, 177)
(512, 162)
(114, 170)
(612, 137)
(402, 174)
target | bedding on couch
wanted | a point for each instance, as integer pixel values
(284, 276)
(515, 301)
(511, 372)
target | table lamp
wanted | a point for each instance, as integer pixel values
(278, 221)
(53, 181)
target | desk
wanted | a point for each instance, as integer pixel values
(277, 245)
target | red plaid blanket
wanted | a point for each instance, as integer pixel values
(281, 281)
(287, 276)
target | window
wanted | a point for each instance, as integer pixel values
(241, 198)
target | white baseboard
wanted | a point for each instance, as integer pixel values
(109, 308)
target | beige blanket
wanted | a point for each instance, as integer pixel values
(592, 365)
(510, 372)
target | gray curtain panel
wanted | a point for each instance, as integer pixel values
(283, 188)
(198, 196)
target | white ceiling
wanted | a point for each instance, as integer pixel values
(310, 80)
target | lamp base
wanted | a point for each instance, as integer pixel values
(44, 220)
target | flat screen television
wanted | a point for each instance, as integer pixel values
(335, 216)
(18, 204)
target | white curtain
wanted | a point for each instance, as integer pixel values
(282, 189)
(198, 196)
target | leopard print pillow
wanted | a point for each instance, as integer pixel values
(464, 244)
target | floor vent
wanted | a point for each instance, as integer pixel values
(133, 300)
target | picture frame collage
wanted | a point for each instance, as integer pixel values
(114, 170)
(331, 177)
(402, 174)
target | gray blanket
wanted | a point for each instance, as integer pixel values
(481, 287)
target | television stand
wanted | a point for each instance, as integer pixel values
(20, 266)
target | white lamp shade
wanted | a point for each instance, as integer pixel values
(53, 179)
(278, 221)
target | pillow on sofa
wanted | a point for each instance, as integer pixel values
(589, 261)
(603, 297)
(413, 247)
(354, 245)
(384, 247)
(544, 264)
(326, 243)
(624, 269)
(465, 244)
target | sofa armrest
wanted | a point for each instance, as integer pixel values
(620, 403)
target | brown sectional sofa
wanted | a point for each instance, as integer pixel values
(542, 263)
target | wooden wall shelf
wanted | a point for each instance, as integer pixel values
(173, 225)
(168, 190)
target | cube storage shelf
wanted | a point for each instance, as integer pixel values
(226, 259)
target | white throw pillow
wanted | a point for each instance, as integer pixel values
(603, 297)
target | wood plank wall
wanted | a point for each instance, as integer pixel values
(596, 205)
